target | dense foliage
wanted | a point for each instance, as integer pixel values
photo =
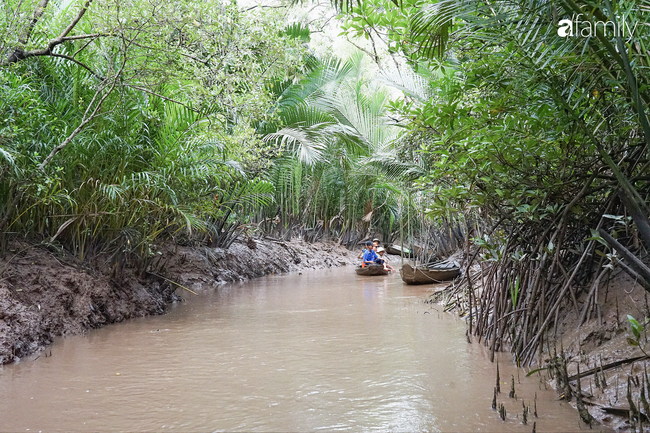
(541, 134)
(125, 124)
(137, 122)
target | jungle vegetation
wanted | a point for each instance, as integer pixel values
(127, 124)
(538, 124)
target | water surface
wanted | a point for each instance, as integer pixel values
(326, 350)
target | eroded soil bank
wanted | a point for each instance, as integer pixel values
(598, 345)
(593, 336)
(44, 295)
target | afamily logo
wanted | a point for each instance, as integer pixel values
(576, 27)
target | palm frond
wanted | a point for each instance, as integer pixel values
(431, 25)
(298, 31)
(304, 142)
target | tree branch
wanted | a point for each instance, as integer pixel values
(189, 56)
(633, 262)
(74, 22)
(87, 118)
(85, 121)
(19, 54)
(38, 13)
(265, 7)
(72, 59)
(86, 36)
(144, 89)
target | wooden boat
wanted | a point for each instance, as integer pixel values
(369, 270)
(397, 250)
(431, 275)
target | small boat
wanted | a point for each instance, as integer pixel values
(429, 275)
(369, 270)
(398, 250)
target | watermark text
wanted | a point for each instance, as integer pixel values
(576, 26)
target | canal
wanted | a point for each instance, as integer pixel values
(325, 350)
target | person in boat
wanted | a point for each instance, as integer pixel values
(376, 243)
(370, 256)
(383, 260)
(368, 244)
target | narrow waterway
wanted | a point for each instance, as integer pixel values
(326, 350)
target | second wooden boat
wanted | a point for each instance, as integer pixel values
(398, 250)
(421, 275)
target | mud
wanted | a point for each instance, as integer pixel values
(602, 341)
(46, 294)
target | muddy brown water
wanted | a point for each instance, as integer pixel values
(326, 350)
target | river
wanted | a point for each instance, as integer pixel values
(326, 350)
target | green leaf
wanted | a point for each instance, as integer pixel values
(596, 237)
(530, 373)
(635, 326)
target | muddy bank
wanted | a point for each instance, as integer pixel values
(593, 335)
(600, 348)
(44, 294)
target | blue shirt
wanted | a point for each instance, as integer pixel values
(369, 256)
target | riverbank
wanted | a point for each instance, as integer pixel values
(593, 336)
(45, 294)
(601, 349)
